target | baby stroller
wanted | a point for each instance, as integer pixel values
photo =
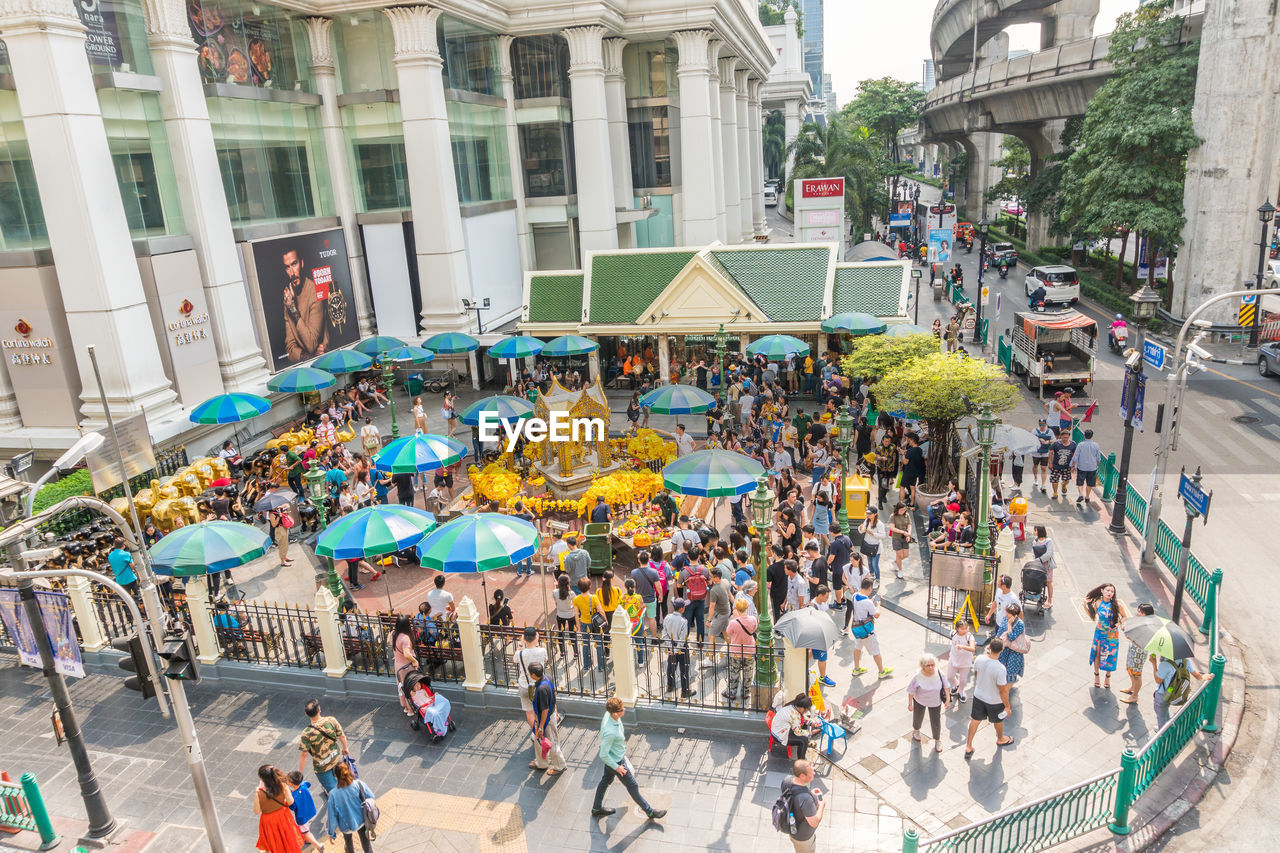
(429, 707)
(1035, 583)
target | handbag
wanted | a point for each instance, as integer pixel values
(598, 623)
(1021, 644)
(370, 811)
(532, 689)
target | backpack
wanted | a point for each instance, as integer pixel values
(696, 584)
(286, 520)
(369, 811)
(1179, 688)
(783, 818)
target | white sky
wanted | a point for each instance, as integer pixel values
(867, 40)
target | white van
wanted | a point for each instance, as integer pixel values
(770, 197)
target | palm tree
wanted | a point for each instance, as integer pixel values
(843, 149)
(775, 143)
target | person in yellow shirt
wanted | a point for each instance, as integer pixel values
(808, 373)
(588, 605)
(633, 604)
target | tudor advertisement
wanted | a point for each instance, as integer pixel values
(307, 303)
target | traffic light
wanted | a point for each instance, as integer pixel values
(135, 661)
(179, 656)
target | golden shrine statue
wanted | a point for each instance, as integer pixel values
(569, 465)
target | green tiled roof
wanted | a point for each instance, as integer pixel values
(787, 284)
(872, 290)
(625, 284)
(555, 298)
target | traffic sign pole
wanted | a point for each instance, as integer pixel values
(1118, 505)
(1196, 503)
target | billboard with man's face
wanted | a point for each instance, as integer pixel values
(307, 303)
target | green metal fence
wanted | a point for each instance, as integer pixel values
(1108, 477)
(1004, 354)
(22, 808)
(1135, 508)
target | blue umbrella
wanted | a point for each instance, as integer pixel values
(377, 345)
(449, 343)
(478, 543)
(516, 346)
(777, 347)
(208, 547)
(343, 361)
(677, 400)
(567, 345)
(505, 407)
(712, 474)
(229, 409)
(300, 380)
(407, 353)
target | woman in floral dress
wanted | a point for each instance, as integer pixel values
(1108, 616)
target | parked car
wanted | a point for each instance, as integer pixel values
(1271, 274)
(770, 197)
(1269, 359)
(1061, 283)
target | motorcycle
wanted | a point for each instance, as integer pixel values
(1037, 301)
(1003, 265)
(1117, 338)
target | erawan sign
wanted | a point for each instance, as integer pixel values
(822, 188)
(820, 210)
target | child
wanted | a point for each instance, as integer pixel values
(303, 806)
(961, 659)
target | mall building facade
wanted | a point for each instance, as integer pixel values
(187, 186)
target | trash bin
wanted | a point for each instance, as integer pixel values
(413, 384)
(599, 547)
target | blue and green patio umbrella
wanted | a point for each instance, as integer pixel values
(777, 347)
(374, 531)
(712, 474)
(502, 406)
(450, 343)
(904, 330)
(343, 361)
(207, 548)
(302, 380)
(229, 408)
(854, 323)
(377, 345)
(414, 454)
(407, 354)
(478, 543)
(568, 345)
(677, 400)
(516, 346)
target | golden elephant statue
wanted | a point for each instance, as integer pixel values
(166, 511)
(187, 482)
(221, 470)
(346, 433)
(121, 505)
(283, 440)
(203, 469)
(143, 501)
(169, 489)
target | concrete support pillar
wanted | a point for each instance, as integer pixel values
(747, 154)
(10, 418)
(524, 235)
(615, 90)
(717, 137)
(437, 221)
(697, 163)
(791, 114)
(729, 149)
(756, 146)
(664, 359)
(195, 165)
(469, 639)
(339, 163)
(622, 650)
(329, 625)
(983, 150)
(80, 594)
(794, 663)
(88, 233)
(1068, 20)
(201, 610)
(593, 164)
(1042, 143)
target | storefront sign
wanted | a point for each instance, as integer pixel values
(304, 284)
(26, 348)
(822, 188)
(193, 325)
(820, 210)
(822, 217)
(102, 41)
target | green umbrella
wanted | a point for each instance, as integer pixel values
(677, 400)
(377, 345)
(516, 346)
(300, 380)
(854, 323)
(207, 548)
(450, 343)
(1161, 637)
(229, 408)
(504, 407)
(478, 543)
(343, 361)
(374, 531)
(567, 345)
(407, 354)
(419, 452)
(777, 347)
(712, 474)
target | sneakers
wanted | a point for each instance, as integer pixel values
(827, 681)
(688, 694)
(656, 814)
(1079, 500)
(899, 574)
(886, 672)
(846, 632)
(960, 697)
(859, 670)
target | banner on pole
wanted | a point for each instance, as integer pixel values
(55, 609)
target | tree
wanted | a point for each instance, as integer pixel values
(877, 355)
(1127, 172)
(941, 389)
(1015, 172)
(841, 149)
(773, 12)
(886, 106)
(775, 143)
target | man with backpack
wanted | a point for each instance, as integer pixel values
(696, 582)
(800, 808)
(863, 628)
(1173, 686)
(546, 734)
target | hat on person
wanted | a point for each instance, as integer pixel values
(1044, 420)
(678, 603)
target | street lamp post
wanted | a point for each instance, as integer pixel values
(762, 518)
(722, 347)
(986, 438)
(1144, 308)
(1265, 214)
(389, 379)
(314, 481)
(844, 423)
(916, 275)
(983, 226)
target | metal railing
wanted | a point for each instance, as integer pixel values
(113, 615)
(273, 634)
(1031, 826)
(574, 659)
(22, 808)
(717, 679)
(1135, 507)
(1168, 741)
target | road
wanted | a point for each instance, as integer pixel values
(1230, 430)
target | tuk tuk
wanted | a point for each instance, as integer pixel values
(964, 234)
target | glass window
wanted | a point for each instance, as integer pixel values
(470, 58)
(365, 49)
(650, 147)
(540, 66)
(480, 162)
(546, 149)
(140, 154)
(644, 66)
(21, 218)
(250, 44)
(271, 155)
(377, 155)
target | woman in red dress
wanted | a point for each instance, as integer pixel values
(277, 829)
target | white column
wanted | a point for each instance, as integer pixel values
(729, 149)
(433, 193)
(756, 147)
(204, 207)
(10, 418)
(791, 120)
(794, 662)
(80, 594)
(717, 137)
(593, 166)
(88, 233)
(746, 155)
(469, 639)
(622, 650)
(524, 236)
(697, 164)
(615, 89)
(664, 359)
(329, 625)
(339, 163)
(205, 635)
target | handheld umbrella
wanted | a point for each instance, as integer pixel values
(274, 500)
(808, 628)
(1161, 637)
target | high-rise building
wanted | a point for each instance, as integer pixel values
(811, 17)
(829, 94)
(930, 75)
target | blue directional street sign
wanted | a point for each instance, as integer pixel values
(1196, 498)
(1153, 354)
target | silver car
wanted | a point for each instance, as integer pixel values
(1269, 359)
